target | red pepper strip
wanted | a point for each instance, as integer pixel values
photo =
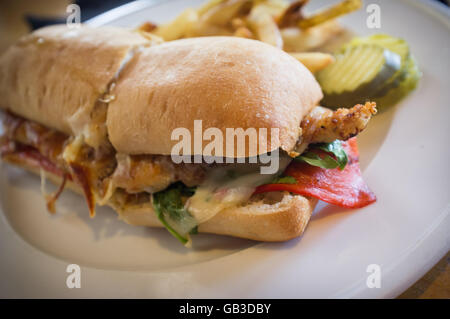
(32, 157)
(344, 188)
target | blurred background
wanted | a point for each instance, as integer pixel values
(18, 17)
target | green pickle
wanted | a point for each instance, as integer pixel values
(378, 68)
(357, 72)
(408, 84)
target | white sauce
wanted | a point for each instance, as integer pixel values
(221, 191)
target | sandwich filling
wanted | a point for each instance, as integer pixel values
(186, 195)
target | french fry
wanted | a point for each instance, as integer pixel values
(292, 14)
(243, 32)
(265, 27)
(205, 30)
(314, 61)
(224, 12)
(179, 26)
(296, 40)
(241, 29)
(237, 23)
(330, 13)
(259, 19)
(208, 6)
(274, 7)
(147, 27)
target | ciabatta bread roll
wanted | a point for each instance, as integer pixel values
(78, 101)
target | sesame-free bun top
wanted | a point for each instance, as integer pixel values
(57, 73)
(57, 76)
(226, 82)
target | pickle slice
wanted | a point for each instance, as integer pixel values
(395, 45)
(408, 84)
(357, 73)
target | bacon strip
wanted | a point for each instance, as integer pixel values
(27, 155)
(31, 144)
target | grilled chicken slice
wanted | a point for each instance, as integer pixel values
(153, 173)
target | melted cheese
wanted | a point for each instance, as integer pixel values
(222, 189)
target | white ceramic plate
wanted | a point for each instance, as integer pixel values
(404, 155)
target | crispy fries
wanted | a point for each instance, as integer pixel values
(277, 22)
(209, 5)
(314, 61)
(296, 40)
(330, 13)
(224, 12)
(292, 14)
(273, 7)
(243, 32)
(178, 27)
(147, 27)
(265, 27)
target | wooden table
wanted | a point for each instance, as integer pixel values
(435, 283)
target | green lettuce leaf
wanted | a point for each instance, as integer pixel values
(339, 159)
(283, 180)
(169, 209)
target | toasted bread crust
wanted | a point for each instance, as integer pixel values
(277, 222)
(226, 82)
(56, 76)
(55, 72)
